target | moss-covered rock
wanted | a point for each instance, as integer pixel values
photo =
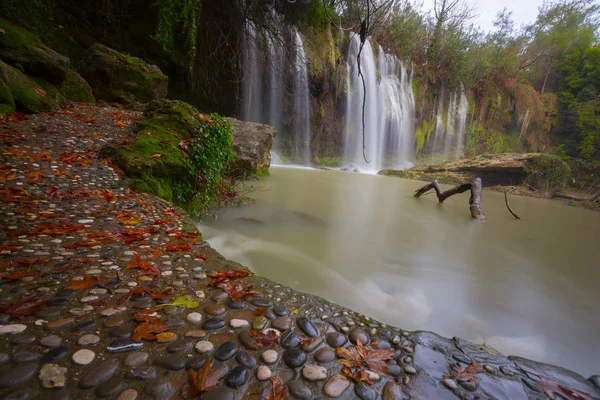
(117, 77)
(75, 88)
(23, 48)
(7, 104)
(252, 145)
(30, 96)
(175, 115)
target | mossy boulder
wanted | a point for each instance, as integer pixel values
(252, 146)
(544, 172)
(75, 88)
(120, 78)
(23, 48)
(29, 95)
(7, 104)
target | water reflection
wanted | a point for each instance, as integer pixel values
(524, 287)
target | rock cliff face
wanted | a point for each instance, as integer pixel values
(542, 171)
(252, 145)
(117, 77)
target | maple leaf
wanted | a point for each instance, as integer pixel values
(35, 177)
(278, 390)
(225, 276)
(8, 177)
(68, 158)
(15, 276)
(202, 381)
(551, 389)
(202, 257)
(465, 374)
(149, 329)
(120, 124)
(238, 292)
(357, 360)
(178, 247)
(32, 261)
(138, 263)
(263, 339)
(83, 284)
(27, 305)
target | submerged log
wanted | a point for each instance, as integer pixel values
(592, 199)
(474, 202)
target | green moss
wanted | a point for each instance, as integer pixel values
(547, 172)
(29, 96)
(75, 88)
(15, 37)
(7, 104)
(328, 161)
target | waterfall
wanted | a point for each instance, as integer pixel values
(463, 109)
(276, 82)
(389, 110)
(449, 134)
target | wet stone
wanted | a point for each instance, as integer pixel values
(336, 339)
(25, 356)
(299, 390)
(260, 323)
(270, 356)
(336, 386)
(194, 318)
(129, 394)
(204, 346)
(55, 354)
(262, 303)
(307, 327)
(135, 359)
(365, 392)
(214, 309)
(409, 369)
(109, 388)
(51, 341)
(119, 333)
(263, 373)
(392, 391)
(143, 373)
(359, 333)
(236, 305)
(312, 344)
(195, 362)
(237, 377)
(50, 313)
(213, 323)
(116, 320)
(394, 369)
(83, 356)
(449, 383)
(282, 323)
(469, 385)
(281, 311)
(595, 379)
(99, 373)
(383, 345)
(314, 373)
(20, 394)
(160, 389)
(52, 376)
(89, 339)
(324, 355)
(25, 338)
(84, 326)
(294, 358)
(123, 345)
(270, 315)
(172, 362)
(238, 323)
(66, 293)
(12, 329)
(289, 340)
(222, 393)
(226, 351)
(196, 334)
(59, 323)
(246, 359)
(179, 346)
(11, 376)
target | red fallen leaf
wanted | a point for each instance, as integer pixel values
(465, 374)
(278, 390)
(83, 284)
(17, 117)
(41, 156)
(16, 153)
(178, 247)
(120, 124)
(162, 222)
(259, 312)
(202, 257)
(68, 158)
(551, 389)
(169, 212)
(27, 305)
(86, 161)
(181, 235)
(358, 359)
(149, 329)
(35, 177)
(109, 195)
(9, 247)
(32, 261)
(174, 132)
(84, 243)
(225, 276)
(15, 276)
(157, 252)
(61, 172)
(138, 263)
(63, 269)
(98, 235)
(238, 292)
(202, 381)
(157, 155)
(8, 177)
(97, 303)
(263, 339)
(55, 229)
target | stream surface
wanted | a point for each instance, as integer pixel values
(526, 287)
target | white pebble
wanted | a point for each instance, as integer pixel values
(83, 357)
(314, 373)
(270, 356)
(194, 318)
(12, 329)
(239, 323)
(263, 373)
(204, 346)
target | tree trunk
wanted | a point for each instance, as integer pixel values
(474, 186)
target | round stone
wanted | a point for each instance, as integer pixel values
(336, 339)
(359, 333)
(141, 373)
(364, 392)
(195, 362)
(261, 303)
(194, 318)
(83, 357)
(238, 323)
(324, 355)
(135, 359)
(51, 341)
(281, 311)
(449, 383)
(25, 338)
(270, 356)
(246, 340)
(308, 327)
(213, 323)
(25, 394)
(12, 329)
(246, 359)
(119, 333)
(162, 388)
(55, 354)
(215, 309)
(22, 357)
(196, 334)
(294, 358)
(263, 373)
(129, 394)
(59, 323)
(299, 390)
(282, 323)
(289, 340)
(314, 373)
(109, 388)
(172, 362)
(123, 346)
(204, 346)
(87, 340)
(392, 391)
(336, 386)
(226, 351)
(409, 369)
(179, 346)
(52, 376)
(84, 326)
(237, 377)
(312, 344)
(99, 373)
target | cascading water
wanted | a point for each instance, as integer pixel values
(449, 134)
(389, 110)
(461, 125)
(266, 77)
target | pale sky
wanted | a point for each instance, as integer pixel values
(523, 11)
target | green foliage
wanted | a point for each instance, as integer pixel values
(185, 300)
(332, 162)
(479, 140)
(547, 172)
(208, 155)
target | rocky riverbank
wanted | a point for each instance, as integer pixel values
(110, 293)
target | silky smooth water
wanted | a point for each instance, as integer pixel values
(526, 287)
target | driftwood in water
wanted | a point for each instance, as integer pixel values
(474, 202)
(508, 205)
(592, 199)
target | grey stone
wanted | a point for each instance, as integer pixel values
(99, 373)
(16, 375)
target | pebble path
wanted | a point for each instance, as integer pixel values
(110, 293)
